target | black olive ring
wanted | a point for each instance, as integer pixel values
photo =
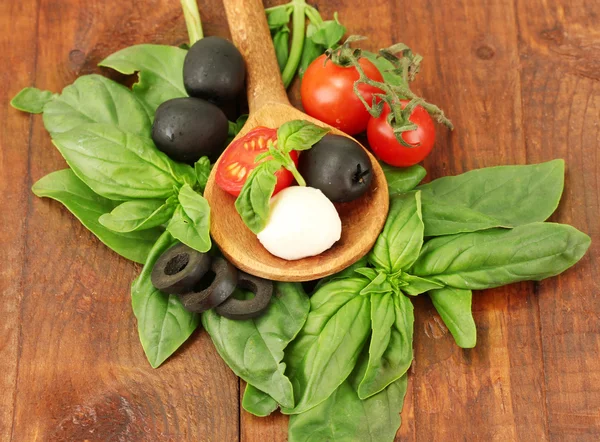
(179, 269)
(221, 288)
(251, 308)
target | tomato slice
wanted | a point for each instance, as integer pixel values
(238, 161)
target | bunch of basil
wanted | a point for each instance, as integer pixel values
(343, 376)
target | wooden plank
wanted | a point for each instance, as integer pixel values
(560, 54)
(83, 374)
(18, 21)
(471, 70)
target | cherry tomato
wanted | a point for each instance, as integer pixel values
(238, 161)
(327, 94)
(385, 145)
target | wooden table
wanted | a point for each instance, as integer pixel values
(520, 80)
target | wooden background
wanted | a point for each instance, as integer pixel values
(520, 80)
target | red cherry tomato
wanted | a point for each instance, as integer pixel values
(327, 94)
(238, 161)
(385, 145)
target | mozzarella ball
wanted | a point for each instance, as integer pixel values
(302, 223)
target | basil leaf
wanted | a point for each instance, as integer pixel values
(346, 273)
(415, 285)
(496, 257)
(390, 350)
(504, 196)
(136, 215)
(454, 307)
(159, 69)
(163, 323)
(281, 42)
(253, 348)
(399, 244)
(310, 51)
(257, 402)
(120, 165)
(299, 135)
(344, 417)
(190, 223)
(327, 348)
(64, 187)
(32, 100)
(402, 180)
(202, 169)
(234, 128)
(253, 202)
(379, 284)
(329, 33)
(95, 99)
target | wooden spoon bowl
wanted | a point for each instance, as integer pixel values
(362, 219)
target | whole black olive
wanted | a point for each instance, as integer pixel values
(338, 166)
(189, 128)
(214, 70)
(179, 269)
(249, 308)
(215, 288)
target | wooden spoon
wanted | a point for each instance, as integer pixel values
(362, 219)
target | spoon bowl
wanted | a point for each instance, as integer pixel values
(362, 219)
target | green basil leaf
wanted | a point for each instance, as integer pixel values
(163, 323)
(399, 244)
(257, 402)
(278, 17)
(390, 350)
(327, 348)
(329, 33)
(64, 187)
(344, 417)
(416, 285)
(281, 42)
(346, 273)
(131, 216)
(120, 165)
(253, 202)
(496, 257)
(386, 68)
(159, 69)
(32, 100)
(253, 348)
(404, 179)
(299, 135)
(190, 223)
(454, 307)
(96, 99)
(202, 169)
(235, 127)
(504, 196)
(310, 51)
(379, 284)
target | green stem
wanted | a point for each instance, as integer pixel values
(192, 20)
(313, 15)
(292, 168)
(299, 22)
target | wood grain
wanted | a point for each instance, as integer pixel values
(520, 80)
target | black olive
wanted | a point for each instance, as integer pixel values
(214, 70)
(179, 269)
(214, 289)
(338, 166)
(189, 128)
(249, 308)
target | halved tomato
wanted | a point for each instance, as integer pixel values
(237, 161)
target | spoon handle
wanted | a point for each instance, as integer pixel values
(250, 33)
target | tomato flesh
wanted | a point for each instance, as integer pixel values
(237, 161)
(384, 144)
(327, 93)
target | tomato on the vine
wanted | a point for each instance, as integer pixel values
(384, 144)
(327, 93)
(238, 161)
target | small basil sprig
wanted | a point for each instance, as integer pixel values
(253, 202)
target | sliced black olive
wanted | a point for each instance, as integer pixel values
(214, 70)
(179, 269)
(189, 128)
(338, 166)
(214, 289)
(250, 308)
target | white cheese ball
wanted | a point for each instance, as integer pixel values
(303, 222)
